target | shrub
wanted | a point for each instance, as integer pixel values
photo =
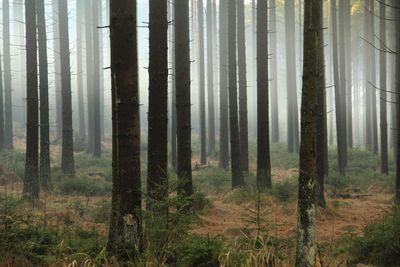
(101, 213)
(84, 186)
(285, 191)
(380, 243)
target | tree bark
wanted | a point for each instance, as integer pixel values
(79, 60)
(173, 89)
(157, 163)
(202, 99)
(44, 97)
(349, 91)
(396, 11)
(67, 150)
(263, 151)
(372, 79)
(31, 181)
(96, 82)
(8, 114)
(341, 141)
(237, 177)
(210, 79)
(57, 69)
(182, 72)
(383, 87)
(292, 120)
(1, 107)
(126, 219)
(223, 77)
(306, 249)
(274, 73)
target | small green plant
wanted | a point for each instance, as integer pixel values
(84, 186)
(285, 191)
(101, 212)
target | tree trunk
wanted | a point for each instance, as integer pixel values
(341, 142)
(223, 77)
(202, 100)
(349, 92)
(396, 11)
(306, 250)
(44, 97)
(79, 60)
(210, 79)
(263, 152)
(8, 116)
(89, 75)
(57, 69)
(1, 108)
(31, 181)
(173, 89)
(125, 223)
(67, 150)
(274, 73)
(292, 121)
(182, 72)
(383, 87)
(243, 119)
(372, 79)
(237, 177)
(96, 82)
(157, 163)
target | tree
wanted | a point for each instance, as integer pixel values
(31, 181)
(263, 153)
(210, 79)
(383, 88)
(157, 180)
(202, 100)
(340, 126)
(173, 89)
(96, 82)
(396, 11)
(67, 149)
(223, 86)
(274, 73)
(243, 120)
(125, 223)
(372, 77)
(349, 92)
(182, 72)
(237, 177)
(292, 120)
(79, 60)
(44, 97)
(1, 108)
(57, 68)
(306, 248)
(89, 75)
(8, 115)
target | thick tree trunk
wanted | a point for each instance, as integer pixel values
(96, 82)
(263, 151)
(31, 181)
(292, 120)
(202, 94)
(341, 141)
(125, 224)
(44, 97)
(306, 250)
(79, 60)
(383, 88)
(57, 69)
(210, 79)
(67, 150)
(274, 73)
(243, 119)
(182, 72)
(8, 114)
(237, 177)
(223, 86)
(157, 163)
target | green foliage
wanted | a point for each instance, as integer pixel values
(13, 161)
(101, 212)
(194, 250)
(380, 243)
(285, 191)
(212, 180)
(84, 186)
